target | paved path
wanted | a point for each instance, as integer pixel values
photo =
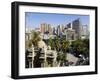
(72, 58)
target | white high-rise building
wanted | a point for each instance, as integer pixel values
(85, 32)
(60, 29)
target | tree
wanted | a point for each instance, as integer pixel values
(86, 48)
(61, 58)
(35, 38)
(51, 43)
(65, 45)
(57, 43)
(81, 47)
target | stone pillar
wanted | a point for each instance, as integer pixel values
(54, 59)
(45, 57)
(30, 64)
(33, 54)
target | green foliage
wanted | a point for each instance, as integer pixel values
(61, 57)
(35, 38)
(51, 43)
(65, 45)
(29, 43)
(57, 43)
(81, 47)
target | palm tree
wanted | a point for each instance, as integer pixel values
(61, 58)
(51, 43)
(65, 45)
(57, 43)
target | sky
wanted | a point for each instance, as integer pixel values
(33, 19)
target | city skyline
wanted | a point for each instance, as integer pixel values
(33, 20)
(61, 46)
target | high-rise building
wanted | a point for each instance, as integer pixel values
(54, 31)
(46, 28)
(50, 29)
(70, 34)
(85, 32)
(43, 27)
(69, 25)
(77, 26)
(60, 29)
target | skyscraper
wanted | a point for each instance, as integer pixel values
(77, 26)
(50, 29)
(69, 25)
(60, 29)
(85, 32)
(46, 28)
(42, 27)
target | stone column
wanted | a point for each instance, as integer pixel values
(45, 57)
(33, 54)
